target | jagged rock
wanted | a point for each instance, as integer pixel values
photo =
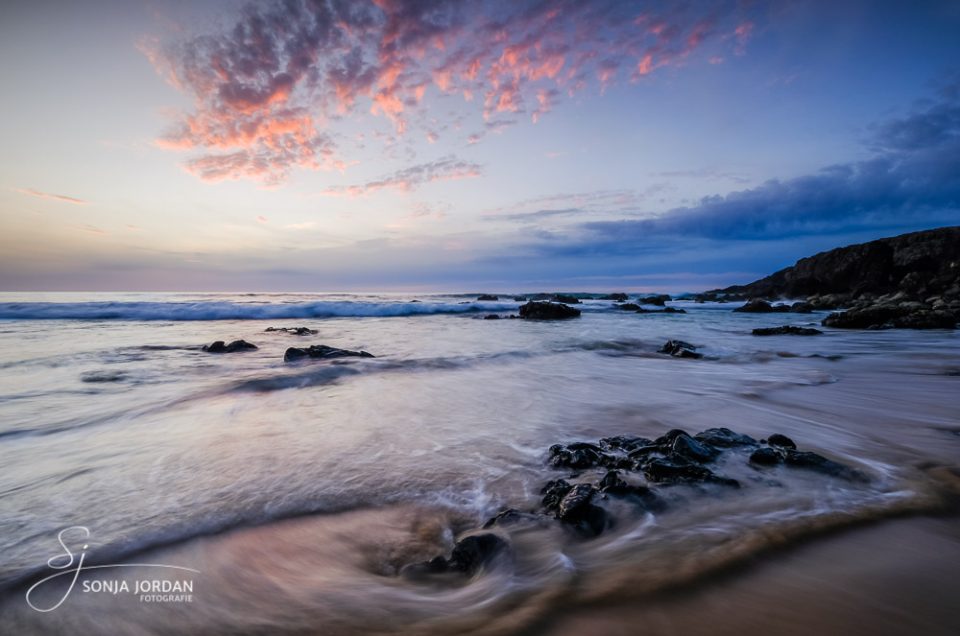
(534, 310)
(781, 441)
(298, 331)
(578, 455)
(322, 352)
(236, 345)
(691, 449)
(766, 456)
(680, 349)
(787, 330)
(487, 297)
(724, 438)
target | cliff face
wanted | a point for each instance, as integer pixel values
(920, 265)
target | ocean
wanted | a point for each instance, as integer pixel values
(296, 493)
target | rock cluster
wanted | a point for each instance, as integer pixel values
(237, 345)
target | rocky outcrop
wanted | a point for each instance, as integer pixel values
(535, 310)
(321, 352)
(237, 345)
(565, 299)
(787, 330)
(758, 306)
(487, 297)
(908, 281)
(655, 299)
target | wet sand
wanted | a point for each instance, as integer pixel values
(896, 578)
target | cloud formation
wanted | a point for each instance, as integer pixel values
(911, 180)
(407, 179)
(268, 91)
(55, 197)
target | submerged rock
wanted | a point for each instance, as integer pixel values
(655, 299)
(298, 331)
(766, 456)
(787, 330)
(487, 297)
(469, 556)
(724, 438)
(665, 310)
(236, 345)
(322, 352)
(680, 349)
(781, 441)
(534, 310)
(492, 317)
(628, 307)
(618, 297)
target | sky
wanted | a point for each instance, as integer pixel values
(521, 145)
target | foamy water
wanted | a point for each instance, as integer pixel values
(300, 490)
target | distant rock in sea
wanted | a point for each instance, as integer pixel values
(237, 345)
(535, 310)
(322, 352)
(787, 330)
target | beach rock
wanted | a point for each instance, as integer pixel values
(297, 331)
(487, 297)
(236, 345)
(680, 349)
(566, 299)
(693, 450)
(578, 455)
(724, 438)
(576, 510)
(664, 470)
(787, 330)
(553, 493)
(758, 306)
(618, 297)
(534, 310)
(628, 307)
(766, 456)
(820, 464)
(781, 441)
(322, 352)
(655, 299)
(468, 557)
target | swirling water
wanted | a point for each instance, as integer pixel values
(299, 490)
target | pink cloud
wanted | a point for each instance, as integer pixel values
(269, 91)
(54, 197)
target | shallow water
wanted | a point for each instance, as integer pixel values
(299, 490)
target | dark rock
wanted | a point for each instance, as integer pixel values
(520, 299)
(565, 298)
(491, 317)
(680, 349)
(691, 449)
(624, 442)
(322, 352)
(613, 485)
(903, 316)
(665, 441)
(487, 297)
(655, 299)
(666, 310)
(296, 331)
(781, 441)
(236, 345)
(787, 330)
(674, 310)
(619, 297)
(547, 311)
(724, 438)
(471, 553)
(553, 493)
(820, 464)
(508, 517)
(672, 471)
(576, 509)
(628, 307)
(801, 308)
(578, 455)
(766, 456)
(757, 306)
